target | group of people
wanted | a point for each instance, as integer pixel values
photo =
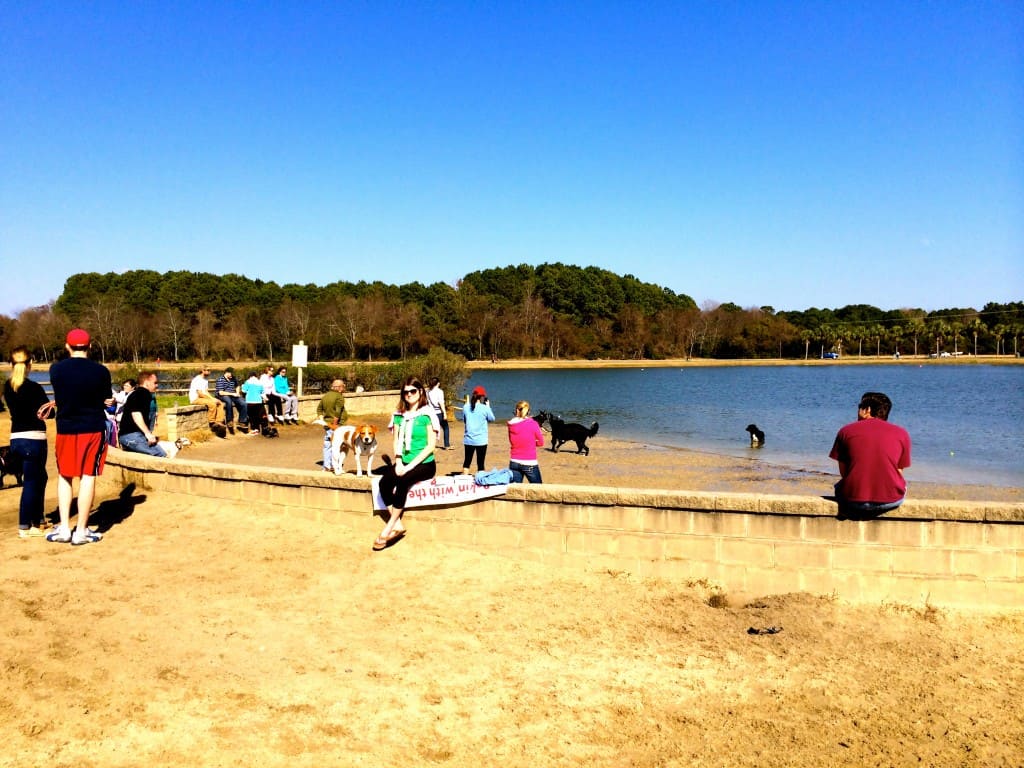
(871, 453)
(81, 394)
(417, 424)
(260, 402)
(524, 437)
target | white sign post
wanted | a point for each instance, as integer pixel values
(299, 359)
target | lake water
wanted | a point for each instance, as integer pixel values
(966, 422)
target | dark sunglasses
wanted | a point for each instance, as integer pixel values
(412, 391)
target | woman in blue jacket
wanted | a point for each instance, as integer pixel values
(477, 414)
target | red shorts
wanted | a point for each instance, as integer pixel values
(80, 455)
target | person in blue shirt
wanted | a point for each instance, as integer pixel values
(477, 414)
(255, 401)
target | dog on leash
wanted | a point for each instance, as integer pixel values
(562, 433)
(756, 436)
(358, 440)
(10, 464)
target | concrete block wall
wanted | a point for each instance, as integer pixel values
(942, 553)
(182, 420)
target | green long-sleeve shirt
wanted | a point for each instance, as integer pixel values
(332, 405)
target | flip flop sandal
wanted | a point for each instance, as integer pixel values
(379, 544)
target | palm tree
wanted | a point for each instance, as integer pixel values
(940, 328)
(856, 333)
(807, 336)
(999, 332)
(917, 328)
(877, 331)
(896, 333)
(976, 327)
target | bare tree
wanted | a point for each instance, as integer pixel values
(202, 332)
(235, 338)
(173, 328)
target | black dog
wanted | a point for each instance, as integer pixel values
(561, 433)
(10, 464)
(756, 436)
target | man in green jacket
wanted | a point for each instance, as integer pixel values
(331, 412)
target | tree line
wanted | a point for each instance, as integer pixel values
(554, 311)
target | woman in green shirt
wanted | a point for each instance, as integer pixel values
(415, 429)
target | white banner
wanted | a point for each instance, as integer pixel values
(440, 491)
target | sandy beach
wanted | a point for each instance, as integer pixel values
(213, 633)
(612, 462)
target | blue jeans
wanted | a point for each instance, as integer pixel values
(328, 463)
(136, 442)
(231, 402)
(865, 509)
(530, 471)
(444, 430)
(33, 489)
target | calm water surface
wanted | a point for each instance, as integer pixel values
(966, 422)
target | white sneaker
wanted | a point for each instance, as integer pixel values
(86, 537)
(30, 533)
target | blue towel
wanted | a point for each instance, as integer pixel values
(494, 477)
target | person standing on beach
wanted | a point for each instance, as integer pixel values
(82, 391)
(872, 454)
(29, 405)
(435, 395)
(524, 438)
(416, 431)
(331, 413)
(477, 414)
(255, 404)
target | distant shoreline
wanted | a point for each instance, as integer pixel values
(703, 362)
(679, 362)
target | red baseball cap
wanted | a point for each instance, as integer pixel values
(78, 338)
(480, 391)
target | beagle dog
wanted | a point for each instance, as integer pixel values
(358, 440)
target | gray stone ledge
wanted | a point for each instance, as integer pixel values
(699, 501)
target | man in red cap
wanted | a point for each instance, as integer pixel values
(81, 390)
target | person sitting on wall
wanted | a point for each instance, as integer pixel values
(139, 420)
(288, 397)
(872, 454)
(199, 394)
(228, 392)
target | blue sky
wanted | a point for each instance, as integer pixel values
(789, 154)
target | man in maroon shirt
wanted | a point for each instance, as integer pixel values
(872, 454)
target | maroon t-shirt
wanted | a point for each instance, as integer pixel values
(870, 453)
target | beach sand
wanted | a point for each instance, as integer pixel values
(204, 632)
(612, 462)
